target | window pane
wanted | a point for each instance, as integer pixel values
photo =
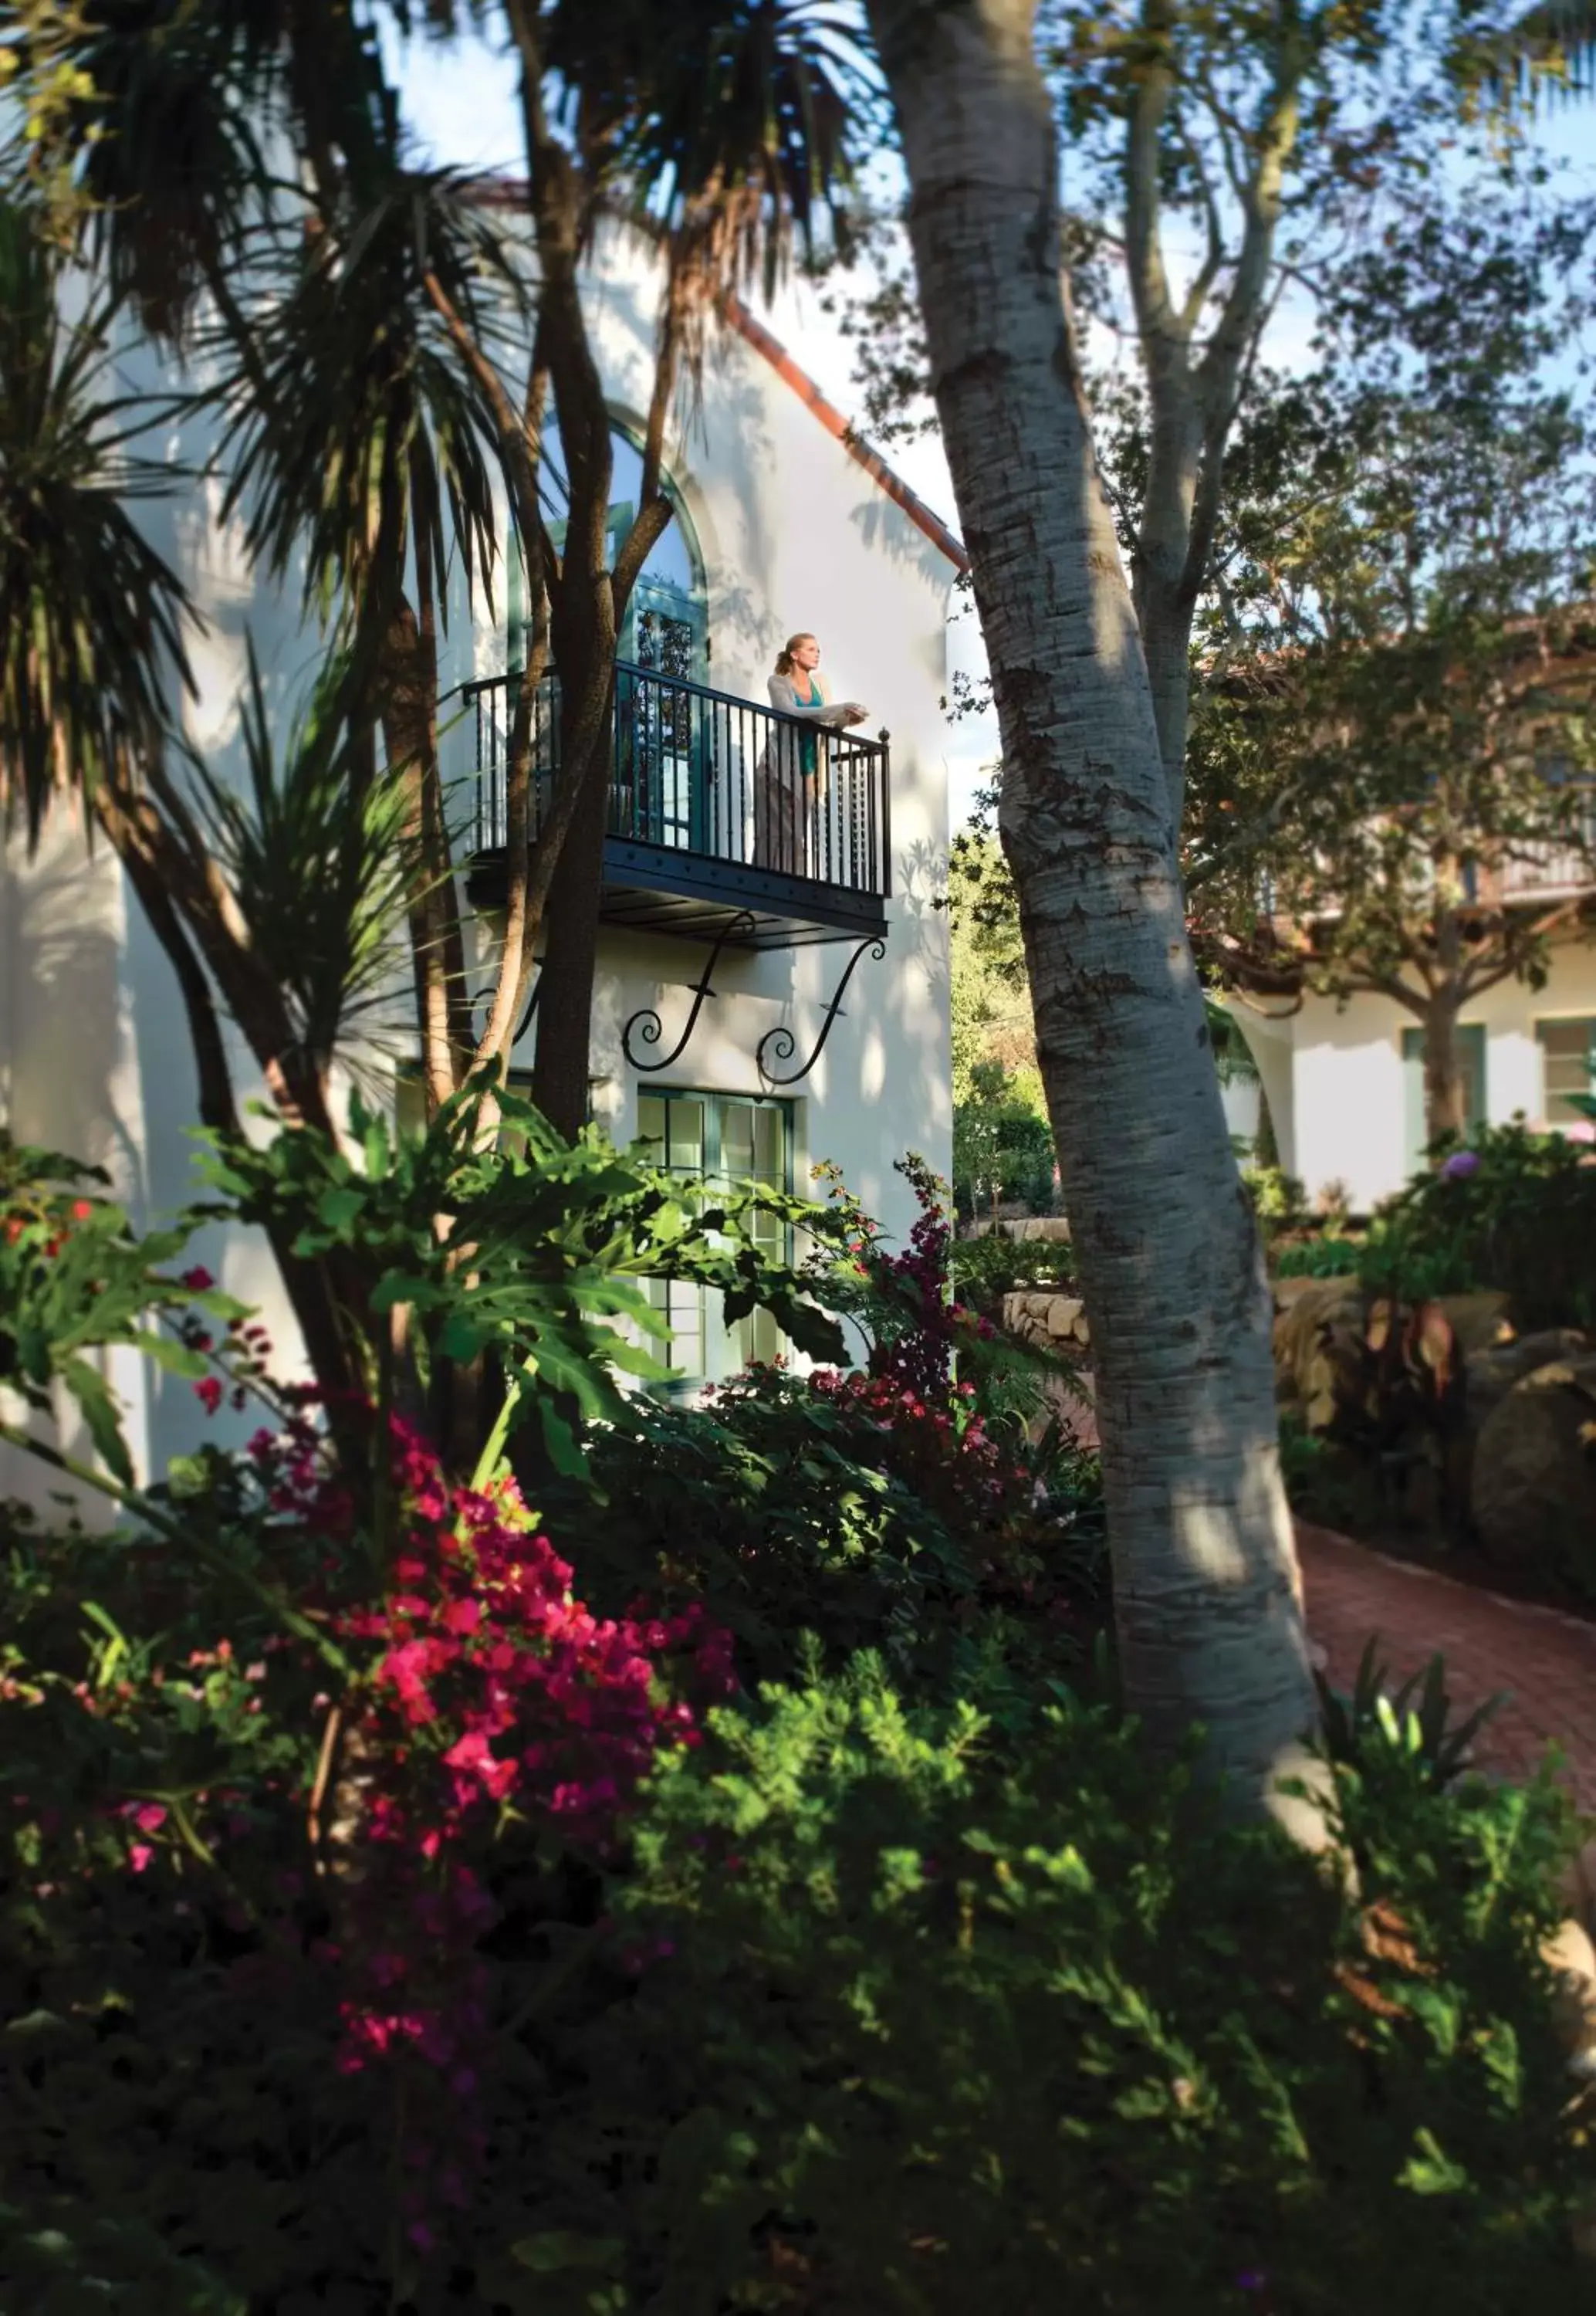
(737, 1141)
(650, 1125)
(749, 1141)
(770, 1154)
(1566, 1068)
(686, 1137)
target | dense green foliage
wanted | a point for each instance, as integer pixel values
(984, 1270)
(1515, 1211)
(748, 1894)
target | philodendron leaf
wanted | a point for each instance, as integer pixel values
(559, 2250)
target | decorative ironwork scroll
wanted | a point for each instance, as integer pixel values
(781, 1041)
(531, 1009)
(646, 1021)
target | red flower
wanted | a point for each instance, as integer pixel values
(198, 1280)
(208, 1390)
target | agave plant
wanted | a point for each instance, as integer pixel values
(1416, 1719)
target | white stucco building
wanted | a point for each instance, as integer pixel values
(783, 522)
(1344, 1083)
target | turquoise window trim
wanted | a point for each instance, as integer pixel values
(1543, 1029)
(711, 1103)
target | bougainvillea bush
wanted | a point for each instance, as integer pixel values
(275, 1893)
(837, 1511)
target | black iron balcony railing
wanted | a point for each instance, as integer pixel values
(713, 800)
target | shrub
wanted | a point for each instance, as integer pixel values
(1002, 1152)
(267, 1885)
(843, 1509)
(947, 2024)
(984, 1270)
(1515, 1211)
(1277, 1197)
(1325, 1257)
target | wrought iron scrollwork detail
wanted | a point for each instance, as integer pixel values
(646, 1021)
(531, 1009)
(783, 1045)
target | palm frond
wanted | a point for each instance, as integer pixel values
(176, 108)
(354, 424)
(91, 615)
(316, 850)
(733, 136)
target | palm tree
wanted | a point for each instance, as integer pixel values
(720, 143)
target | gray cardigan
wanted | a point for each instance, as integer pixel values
(783, 697)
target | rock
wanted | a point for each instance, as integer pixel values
(1480, 1322)
(1289, 1292)
(1051, 1229)
(1067, 1319)
(1316, 1344)
(1572, 1957)
(1493, 1371)
(1533, 1482)
(1025, 1314)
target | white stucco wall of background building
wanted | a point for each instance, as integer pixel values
(794, 533)
(1334, 1075)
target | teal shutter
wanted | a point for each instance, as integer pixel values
(1471, 1055)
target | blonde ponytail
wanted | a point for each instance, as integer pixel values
(784, 661)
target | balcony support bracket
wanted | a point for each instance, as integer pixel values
(646, 1022)
(781, 1042)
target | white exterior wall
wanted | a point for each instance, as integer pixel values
(1347, 1101)
(94, 1056)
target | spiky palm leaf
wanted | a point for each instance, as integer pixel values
(733, 133)
(91, 616)
(352, 425)
(179, 104)
(315, 853)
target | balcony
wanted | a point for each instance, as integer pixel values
(697, 840)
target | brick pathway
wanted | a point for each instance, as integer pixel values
(1547, 1661)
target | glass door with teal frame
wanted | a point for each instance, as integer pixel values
(660, 730)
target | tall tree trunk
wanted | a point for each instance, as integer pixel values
(1207, 1596)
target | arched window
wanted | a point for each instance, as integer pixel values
(667, 625)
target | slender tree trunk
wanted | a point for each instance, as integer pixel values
(1444, 1110)
(1207, 1596)
(1164, 618)
(571, 956)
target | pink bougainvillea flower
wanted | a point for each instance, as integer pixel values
(198, 1280)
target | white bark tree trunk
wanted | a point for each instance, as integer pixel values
(1208, 1600)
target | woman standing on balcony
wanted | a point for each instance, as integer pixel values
(790, 784)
